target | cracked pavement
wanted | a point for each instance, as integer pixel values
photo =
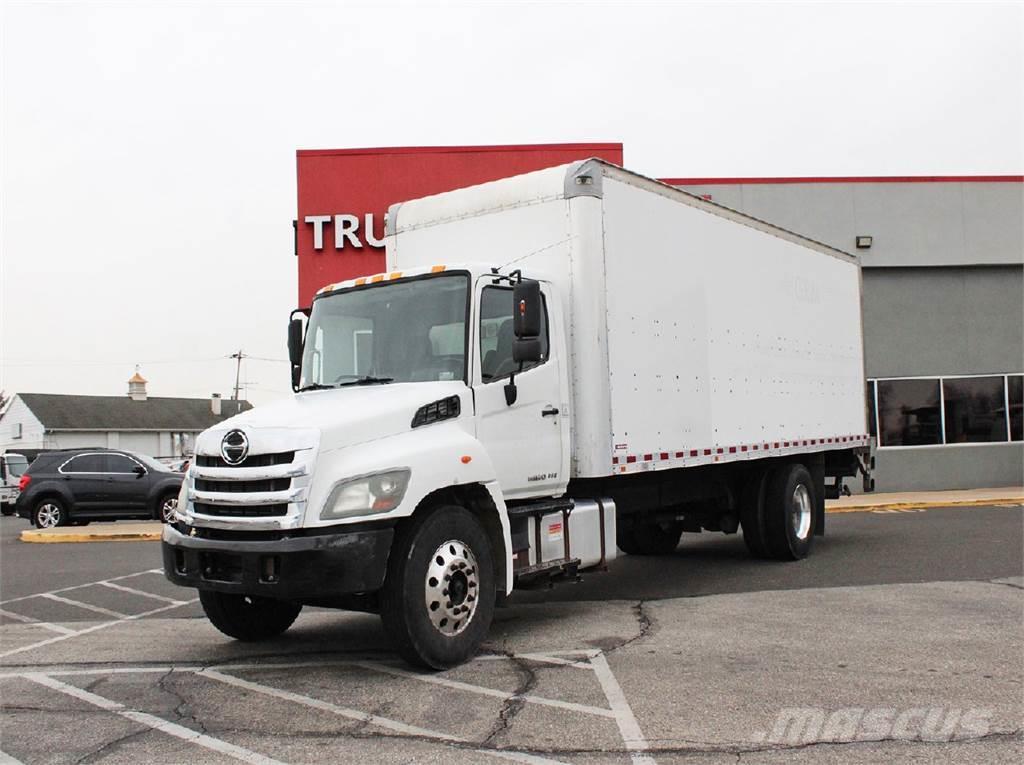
(703, 676)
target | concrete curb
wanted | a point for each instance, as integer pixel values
(59, 535)
(867, 506)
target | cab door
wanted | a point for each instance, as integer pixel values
(527, 438)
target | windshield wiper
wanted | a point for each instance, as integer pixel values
(316, 386)
(366, 380)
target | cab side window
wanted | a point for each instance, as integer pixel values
(496, 335)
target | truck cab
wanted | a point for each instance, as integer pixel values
(440, 388)
(12, 467)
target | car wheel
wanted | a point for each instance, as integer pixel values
(7, 508)
(166, 507)
(438, 597)
(49, 514)
(248, 617)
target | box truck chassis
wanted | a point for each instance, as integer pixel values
(461, 431)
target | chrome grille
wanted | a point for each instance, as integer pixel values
(253, 460)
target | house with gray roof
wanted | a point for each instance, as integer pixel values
(153, 425)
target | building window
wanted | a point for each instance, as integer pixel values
(872, 414)
(1015, 406)
(975, 409)
(909, 412)
(983, 409)
(16, 430)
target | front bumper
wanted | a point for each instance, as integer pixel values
(303, 568)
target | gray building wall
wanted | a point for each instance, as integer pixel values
(943, 294)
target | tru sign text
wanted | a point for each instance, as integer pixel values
(347, 230)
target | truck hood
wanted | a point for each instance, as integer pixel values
(331, 419)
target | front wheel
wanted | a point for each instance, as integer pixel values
(50, 514)
(438, 597)
(248, 617)
(6, 508)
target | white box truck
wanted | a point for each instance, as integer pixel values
(553, 366)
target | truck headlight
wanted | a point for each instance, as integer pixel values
(377, 493)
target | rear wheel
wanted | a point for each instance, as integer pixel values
(438, 598)
(752, 513)
(789, 513)
(166, 506)
(650, 539)
(6, 508)
(49, 513)
(248, 617)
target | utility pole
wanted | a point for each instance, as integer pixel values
(238, 370)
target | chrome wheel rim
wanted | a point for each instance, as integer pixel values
(48, 516)
(452, 587)
(800, 512)
(168, 508)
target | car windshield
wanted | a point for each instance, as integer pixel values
(16, 465)
(411, 330)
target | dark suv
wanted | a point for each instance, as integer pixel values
(82, 485)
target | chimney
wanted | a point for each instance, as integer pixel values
(215, 404)
(137, 386)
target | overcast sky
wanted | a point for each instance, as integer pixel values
(148, 151)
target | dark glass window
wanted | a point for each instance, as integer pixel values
(872, 421)
(496, 335)
(975, 409)
(86, 463)
(118, 463)
(908, 412)
(1015, 394)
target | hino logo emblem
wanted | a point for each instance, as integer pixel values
(234, 448)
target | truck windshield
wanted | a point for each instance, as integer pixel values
(404, 331)
(16, 465)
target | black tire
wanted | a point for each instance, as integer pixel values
(168, 499)
(6, 508)
(752, 513)
(436, 634)
(650, 539)
(49, 513)
(248, 617)
(789, 513)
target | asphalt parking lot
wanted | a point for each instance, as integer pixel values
(901, 637)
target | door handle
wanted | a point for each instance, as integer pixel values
(549, 411)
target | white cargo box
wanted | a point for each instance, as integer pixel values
(697, 334)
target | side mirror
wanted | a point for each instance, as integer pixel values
(295, 349)
(139, 470)
(526, 350)
(526, 308)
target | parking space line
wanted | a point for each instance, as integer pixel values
(365, 717)
(6, 759)
(629, 728)
(102, 625)
(154, 722)
(484, 691)
(86, 606)
(133, 591)
(36, 623)
(80, 586)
